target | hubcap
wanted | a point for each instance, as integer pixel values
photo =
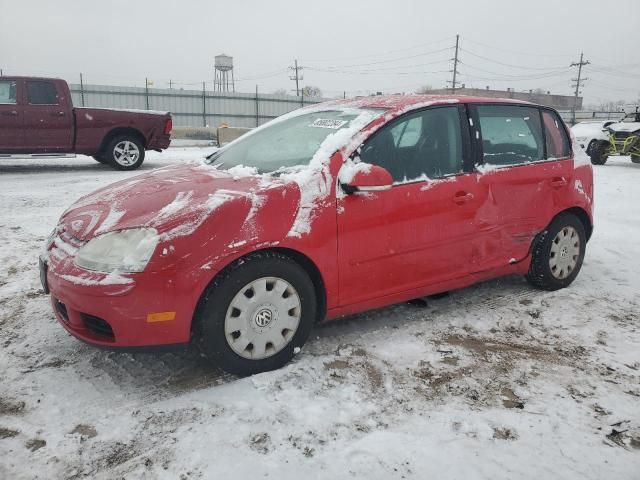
(262, 318)
(565, 251)
(126, 153)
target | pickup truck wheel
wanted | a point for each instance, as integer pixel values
(125, 152)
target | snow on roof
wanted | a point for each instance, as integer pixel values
(403, 102)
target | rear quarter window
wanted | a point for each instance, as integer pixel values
(556, 135)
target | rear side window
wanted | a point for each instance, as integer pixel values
(511, 135)
(7, 91)
(556, 135)
(41, 93)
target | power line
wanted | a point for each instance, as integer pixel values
(382, 54)
(432, 52)
(518, 52)
(505, 64)
(395, 67)
(373, 72)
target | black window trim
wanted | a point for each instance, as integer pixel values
(467, 151)
(477, 134)
(55, 88)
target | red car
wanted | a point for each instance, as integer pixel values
(330, 210)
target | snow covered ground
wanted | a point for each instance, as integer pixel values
(494, 381)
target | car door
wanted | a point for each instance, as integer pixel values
(524, 183)
(11, 117)
(418, 232)
(48, 120)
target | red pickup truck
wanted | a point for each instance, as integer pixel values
(37, 117)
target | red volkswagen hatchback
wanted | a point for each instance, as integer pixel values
(330, 210)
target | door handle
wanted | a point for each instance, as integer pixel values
(558, 182)
(462, 197)
(12, 113)
(57, 114)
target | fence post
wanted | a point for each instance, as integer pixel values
(146, 92)
(257, 108)
(204, 106)
(302, 97)
(81, 90)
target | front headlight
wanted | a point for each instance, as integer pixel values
(124, 250)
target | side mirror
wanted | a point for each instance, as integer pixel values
(368, 178)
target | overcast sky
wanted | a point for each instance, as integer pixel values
(357, 46)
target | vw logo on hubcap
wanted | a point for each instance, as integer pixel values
(263, 317)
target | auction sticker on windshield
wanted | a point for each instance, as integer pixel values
(329, 123)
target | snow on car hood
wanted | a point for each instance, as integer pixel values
(589, 130)
(173, 200)
(625, 126)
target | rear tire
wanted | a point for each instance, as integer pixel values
(250, 303)
(635, 158)
(125, 152)
(599, 153)
(557, 253)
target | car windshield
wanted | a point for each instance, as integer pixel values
(292, 141)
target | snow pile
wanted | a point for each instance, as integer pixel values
(240, 171)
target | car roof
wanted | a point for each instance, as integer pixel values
(410, 102)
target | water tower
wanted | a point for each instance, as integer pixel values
(221, 79)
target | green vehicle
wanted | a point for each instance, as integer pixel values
(624, 139)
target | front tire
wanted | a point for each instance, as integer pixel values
(599, 154)
(255, 314)
(635, 158)
(557, 253)
(125, 152)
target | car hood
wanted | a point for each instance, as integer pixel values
(624, 127)
(177, 200)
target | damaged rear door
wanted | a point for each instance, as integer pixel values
(525, 171)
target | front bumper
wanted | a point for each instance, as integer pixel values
(125, 315)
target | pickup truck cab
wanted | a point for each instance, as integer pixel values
(37, 117)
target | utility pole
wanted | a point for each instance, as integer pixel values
(454, 82)
(297, 76)
(579, 84)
